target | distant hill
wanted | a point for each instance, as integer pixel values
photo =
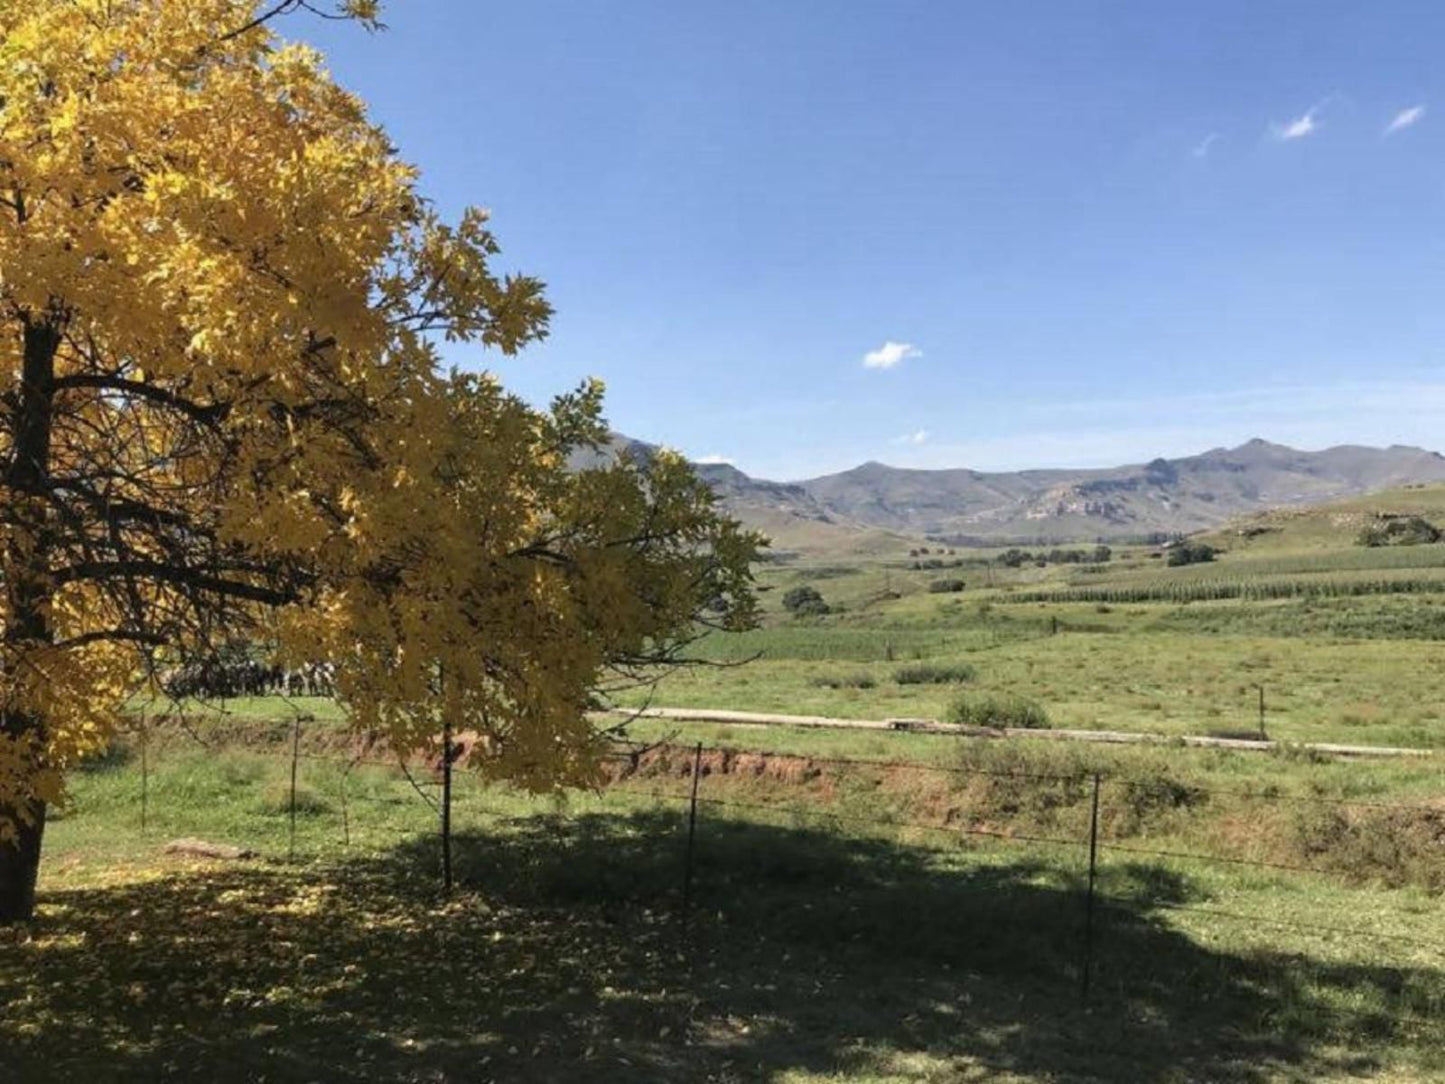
(784, 511)
(1332, 525)
(873, 502)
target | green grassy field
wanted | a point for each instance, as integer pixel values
(849, 921)
(1348, 641)
(865, 906)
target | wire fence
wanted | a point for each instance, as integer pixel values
(717, 786)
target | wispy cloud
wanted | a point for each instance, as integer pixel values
(1201, 149)
(1405, 118)
(1297, 128)
(890, 355)
(915, 438)
(714, 459)
(1303, 125)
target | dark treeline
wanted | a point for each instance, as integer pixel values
(1014, 558)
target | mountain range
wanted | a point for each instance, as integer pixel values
(1163, 496)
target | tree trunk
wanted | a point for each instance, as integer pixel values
(19, 863)
(25, 579)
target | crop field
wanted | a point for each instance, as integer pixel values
(1198, 588)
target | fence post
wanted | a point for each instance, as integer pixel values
(1263, 735)
(1089, 900)
(295, 756)
(145, 782)
(446, 801)
(691, 835)
(345, 812)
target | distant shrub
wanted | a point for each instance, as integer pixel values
(1190, 553)
(934, 674)
(859, 680)
(945, 587)
(998, 711)
(805, 602)
(1399, 531)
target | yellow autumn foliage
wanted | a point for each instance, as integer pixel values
(223, 416)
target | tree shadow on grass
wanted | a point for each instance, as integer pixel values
(563, 958)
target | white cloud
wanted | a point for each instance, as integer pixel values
(1201, 149)
(1307, 124)
(889, 355)
(915, 438)
(1299, 127)
(1404, 118)
(712, 460)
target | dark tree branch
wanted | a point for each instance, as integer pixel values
(91, 571)
(206, 414)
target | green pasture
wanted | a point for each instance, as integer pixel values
(1259, 917)
(844, 925)
(1348, 641)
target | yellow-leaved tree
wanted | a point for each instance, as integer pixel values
(223, 416)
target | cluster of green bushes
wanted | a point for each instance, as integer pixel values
(1400, 531)
(1190, 553)
(1016, 558)
(935, 563)
(945, 587)
(805, 601)
(997, 711)
(934, 674)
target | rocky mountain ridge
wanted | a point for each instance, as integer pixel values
(1163, 496)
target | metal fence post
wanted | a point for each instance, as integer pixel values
(345, 811)
(295, 756)
(691, 834)
(145, 782)
(447, 803)
(1089, 899)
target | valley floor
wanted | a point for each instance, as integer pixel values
(846, 906)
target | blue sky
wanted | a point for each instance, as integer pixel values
(1067, 233)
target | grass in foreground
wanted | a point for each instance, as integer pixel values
(818, 950)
